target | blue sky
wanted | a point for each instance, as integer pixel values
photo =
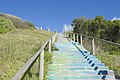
(56, 13)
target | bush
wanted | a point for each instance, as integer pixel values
(18, 23)
(6, 25)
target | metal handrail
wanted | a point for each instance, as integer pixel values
(21, 73)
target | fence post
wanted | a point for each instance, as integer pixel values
(41, 73)
(70, 36)
(52, 40)
(77, 38)
(74, 37)
(49, 48)
(93, 46)
(81, 40)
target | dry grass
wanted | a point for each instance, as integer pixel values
(17, 47)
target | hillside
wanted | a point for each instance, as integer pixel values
(18, 22)
(17, 47)
(6, 25)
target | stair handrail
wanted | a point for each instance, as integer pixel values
(40, 54)
(73, 34)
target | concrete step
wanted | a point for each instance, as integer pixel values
(76, 64)
(77, 68)
(110, 72)
(72, 77)
(71, 63)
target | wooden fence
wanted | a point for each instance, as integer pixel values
(77, 37)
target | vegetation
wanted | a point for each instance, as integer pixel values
(98, 27)
(17, 47)
(112, 61)
(6, 25)
(101, 29)
(33, 73)
(48, 59)
(18, 23)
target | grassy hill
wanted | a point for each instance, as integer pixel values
(19, 40)
(17, 47)
(18, 22)
(6, 25)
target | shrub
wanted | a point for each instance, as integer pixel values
(6, 25)
(18, 23)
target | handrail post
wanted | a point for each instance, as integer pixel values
(52, 40)
(74, 37)
(77, 38)
(49, 46)
(41, 73)
(81, 40)
(93, 46)
(70, 36)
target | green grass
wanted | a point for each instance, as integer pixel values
(6, 25)
(33, 73)
(17, 47)
(113, 61)
(48, 59)
(109, 54)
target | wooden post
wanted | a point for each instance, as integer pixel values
(81, 40)
(74, 37)
(52, 40)
(41, 73)
(70, 36)
(93, 46)
(49, 46)
(77, 38)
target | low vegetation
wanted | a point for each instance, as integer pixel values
(6, 25)
(20, 40)
(33, 73)
(98, 27)
(112, 61)
(48, 59)
(101, 29)
(18, 22)
(17, 47)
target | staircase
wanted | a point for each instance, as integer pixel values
(74, 62)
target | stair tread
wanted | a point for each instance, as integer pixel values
(71, 64)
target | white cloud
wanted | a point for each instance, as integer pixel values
(115, 18)
(67, 27)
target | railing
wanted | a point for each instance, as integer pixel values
(91, 41)
(108, 52)
(39, 56)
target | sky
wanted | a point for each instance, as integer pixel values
(56, 14)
